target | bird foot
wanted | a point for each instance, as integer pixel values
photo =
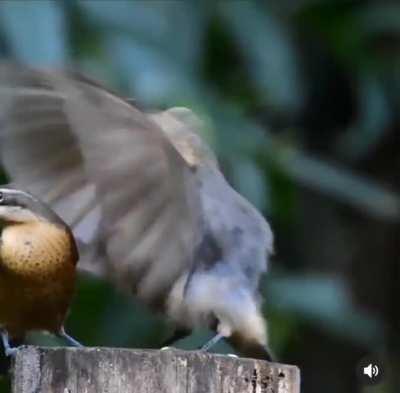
(11, 351)
(211, 342)
(8, 349)
(69, 339)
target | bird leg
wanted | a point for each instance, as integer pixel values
(224, 330)
(68, 338)
(8, 349)
(212, 342)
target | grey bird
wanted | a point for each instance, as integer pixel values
(146, 200)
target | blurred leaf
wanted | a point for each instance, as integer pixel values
(324, 301)
(282, 327)
(250, 182)
(150, 75)
(271, 57)
(147, 48)
(157, 25)
(374, 116)
(35, 31)
(337, 25)
(381, 17)
(360, 192)
(337, 182)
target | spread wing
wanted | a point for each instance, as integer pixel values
(108, 170)
(182, 128)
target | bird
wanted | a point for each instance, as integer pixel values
(38, 258)
(146, 199)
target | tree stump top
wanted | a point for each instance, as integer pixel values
(112, 370)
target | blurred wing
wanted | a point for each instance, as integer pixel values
(41, 155)
(148, 207)
(182, 127)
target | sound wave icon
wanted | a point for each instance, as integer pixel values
(372, 370)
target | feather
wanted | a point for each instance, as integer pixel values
(144, 196)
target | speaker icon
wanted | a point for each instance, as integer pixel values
(372, 370)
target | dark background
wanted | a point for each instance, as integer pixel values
(301, 102)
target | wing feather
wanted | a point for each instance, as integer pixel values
(86, 150)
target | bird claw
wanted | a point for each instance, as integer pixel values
(69, 338)
(11, 352)
(8, 349)
(211, 342)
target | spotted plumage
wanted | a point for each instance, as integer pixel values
(38, 258)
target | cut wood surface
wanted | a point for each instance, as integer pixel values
(112, 370)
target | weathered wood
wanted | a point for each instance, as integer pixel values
(112, 370)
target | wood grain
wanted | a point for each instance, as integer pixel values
(112, 370)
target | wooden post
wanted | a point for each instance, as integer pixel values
(113, 370)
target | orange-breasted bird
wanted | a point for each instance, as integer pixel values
(38, 259)
(145, 198)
